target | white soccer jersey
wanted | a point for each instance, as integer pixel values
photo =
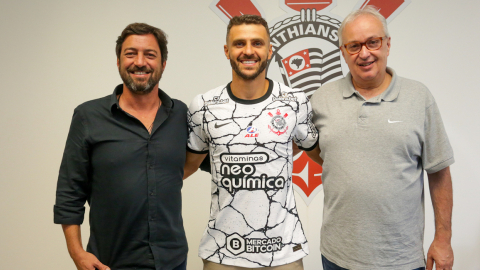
(253, 217)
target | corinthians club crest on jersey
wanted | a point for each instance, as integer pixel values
(306, 55)
(278, 125)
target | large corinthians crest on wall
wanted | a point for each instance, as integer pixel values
(305, 46)
(306, 55)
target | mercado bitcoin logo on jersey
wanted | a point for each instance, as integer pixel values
(237, 244)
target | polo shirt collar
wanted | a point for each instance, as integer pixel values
(390, 94)
(166, 100)
(348, 89)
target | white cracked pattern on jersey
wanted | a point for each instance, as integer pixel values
(252, 200)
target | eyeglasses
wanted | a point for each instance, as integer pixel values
(372, 44)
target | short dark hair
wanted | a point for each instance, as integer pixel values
(247, 19)
(144, 29)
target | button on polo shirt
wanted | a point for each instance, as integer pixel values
(371, 107)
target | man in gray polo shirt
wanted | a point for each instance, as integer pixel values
(378, 132)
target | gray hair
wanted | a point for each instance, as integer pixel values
(368, 10)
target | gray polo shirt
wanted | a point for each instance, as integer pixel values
(374, 155)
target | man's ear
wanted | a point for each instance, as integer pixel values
(225, 49)
(343, 53)
(388, 45)
(270, 51)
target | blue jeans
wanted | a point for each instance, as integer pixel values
(182, 266)
(328, 265)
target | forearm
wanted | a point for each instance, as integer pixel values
(192, 162)
(73, 237)
(83, 260)
(295, 149)
(315, 155)
(188, 171)
(441, 192)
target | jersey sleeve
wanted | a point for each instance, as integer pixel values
(305, 135)
(437, 152)
(197, 139)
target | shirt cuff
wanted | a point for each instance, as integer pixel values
(310, 148)
(196, 152)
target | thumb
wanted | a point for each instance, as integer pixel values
(101, 266)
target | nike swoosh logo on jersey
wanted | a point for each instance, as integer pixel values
(391, 122)
(217, 125)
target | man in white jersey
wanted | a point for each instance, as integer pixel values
(378, 133)
(247, 126)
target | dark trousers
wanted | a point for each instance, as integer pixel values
(328, 265)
